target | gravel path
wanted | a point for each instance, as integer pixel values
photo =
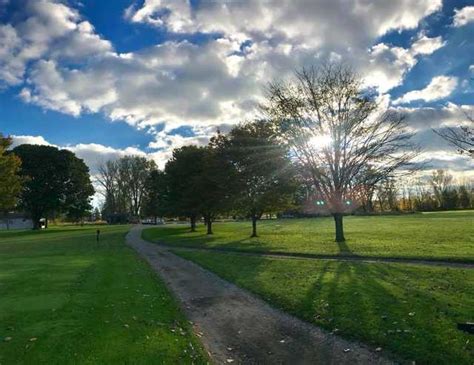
(236, 327)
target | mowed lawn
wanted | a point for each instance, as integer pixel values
(439, 235)
(410, 311)
(64, 299)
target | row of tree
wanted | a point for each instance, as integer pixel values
(246, 172)
(44, 182)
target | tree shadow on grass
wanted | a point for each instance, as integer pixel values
(372, 303)
(344, 249)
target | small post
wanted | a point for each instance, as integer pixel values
(98, 235)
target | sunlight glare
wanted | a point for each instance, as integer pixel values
(320, 142)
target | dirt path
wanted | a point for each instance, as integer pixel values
(236, 327)
(310, 256)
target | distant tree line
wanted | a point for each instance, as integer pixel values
(440, 191)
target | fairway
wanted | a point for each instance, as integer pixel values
(438, 235)
(409, 311)
(65, 299)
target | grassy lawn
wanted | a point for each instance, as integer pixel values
(409, 310)
(443, 235)
(66, 300)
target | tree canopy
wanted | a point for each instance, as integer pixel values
(264, 175)
(10, 181)
(54, 181)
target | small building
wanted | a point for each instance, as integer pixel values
(15, 221)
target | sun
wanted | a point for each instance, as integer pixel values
(321, 141)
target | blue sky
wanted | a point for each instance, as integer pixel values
(108, 78)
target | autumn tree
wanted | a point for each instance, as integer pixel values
(336, 132)
(10, 181)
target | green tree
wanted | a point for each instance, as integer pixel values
(55, 181)
(199, 180)
(182, 171)
(264, 178)
(156, 193)
(215, 184)
(450, 199)
(10, 181)
(464, 197)
(78, 189)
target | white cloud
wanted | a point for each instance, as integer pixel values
(95, 154)
(388, 65)
(18, 140)
(46, 29)
(179, 83)
(425, 118)
(312, 21)
(425, 45)
(69, 91)
(463, 16)
(440, 87)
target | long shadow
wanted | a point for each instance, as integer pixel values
(372, 302)
(344, 248)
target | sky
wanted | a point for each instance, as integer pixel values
(110, 78)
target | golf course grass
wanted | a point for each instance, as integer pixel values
(410, 311)
(438, 235)
(66, 299)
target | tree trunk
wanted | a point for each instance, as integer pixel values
(254, 226)
(339, 227)
(193, 223)
(209, 226)
(36, 223)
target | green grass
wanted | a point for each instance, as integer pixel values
(86, 303)
(409, 310)
(441, 235)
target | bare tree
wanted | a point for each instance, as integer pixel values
(336, 132)
(133, 172)
(461, 137)
(107, 180)
(123, 184)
